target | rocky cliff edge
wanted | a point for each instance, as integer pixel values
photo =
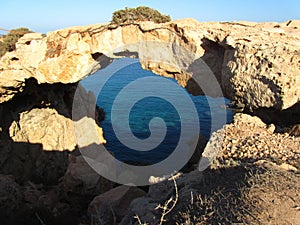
(256, 64)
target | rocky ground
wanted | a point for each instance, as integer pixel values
(248, 139)
(253, 180)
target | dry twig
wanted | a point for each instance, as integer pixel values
(166, 208)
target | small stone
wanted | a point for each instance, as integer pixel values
(286, 166)
(295, 131)
(271, 128)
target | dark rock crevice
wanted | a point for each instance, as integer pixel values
(284, 118)
(209, 67)
(214, 57)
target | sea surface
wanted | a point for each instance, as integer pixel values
(131, 97)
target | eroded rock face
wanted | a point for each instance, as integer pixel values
(45, 126)
(42, 115)
(256, 64)
(54, 131)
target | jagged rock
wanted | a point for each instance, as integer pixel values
(81, 179)
(54, 131)
(112, 206)
(271, 128)
(44, 126)
(211, 149)
(256, 64)
(202, 141)
(37, 126)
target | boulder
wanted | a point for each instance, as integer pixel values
(54, 131)
(44, 126)
(241, 118)
(111, 206)
(82, 180)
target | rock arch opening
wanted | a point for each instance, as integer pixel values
(107, 84)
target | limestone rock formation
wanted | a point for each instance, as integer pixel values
(256, 64)
(53, 131)
(44, 126)
(37, 132)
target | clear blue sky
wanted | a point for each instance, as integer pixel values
(46, 15)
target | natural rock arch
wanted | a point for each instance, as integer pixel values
(255, 64)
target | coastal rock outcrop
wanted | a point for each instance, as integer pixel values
(256, 64)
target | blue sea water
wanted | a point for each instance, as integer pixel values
(150, 96)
